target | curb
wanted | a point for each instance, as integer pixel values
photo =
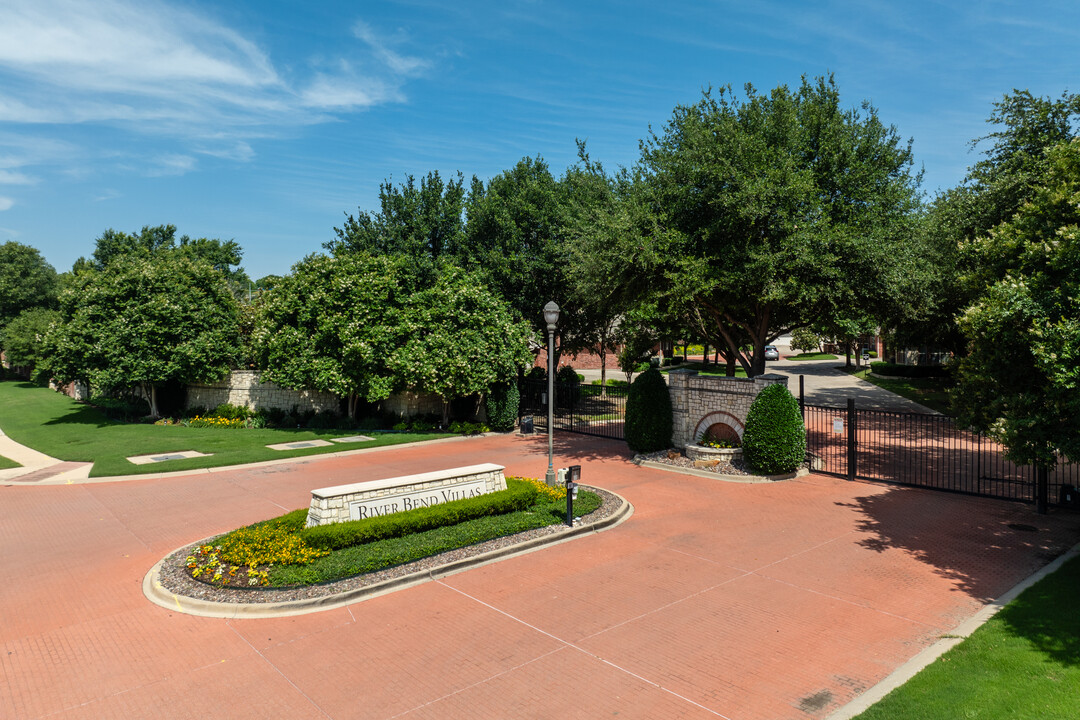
(948, 641)
(744, 479)
(159, 595)
(261, 463)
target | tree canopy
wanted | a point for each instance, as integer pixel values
(332, 324)
(26, 281)
(766, 213)
(145, 321)
(362, 326)
(1021, 377)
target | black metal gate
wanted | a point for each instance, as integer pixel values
(586, 409)
(926, 451)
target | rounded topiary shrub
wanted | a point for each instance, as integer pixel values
(648, 413)
(774, 440)
(502, 406)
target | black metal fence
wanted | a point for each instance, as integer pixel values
(586, 409)
(926, 451)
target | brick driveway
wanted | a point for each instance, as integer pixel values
(713, 600)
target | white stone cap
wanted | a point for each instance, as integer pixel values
(418, 479)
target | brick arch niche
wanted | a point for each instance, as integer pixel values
(721, 425)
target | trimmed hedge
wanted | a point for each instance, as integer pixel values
(502, 406)
(648, 423)
(774, 440)
(517, 496)
(909, 371)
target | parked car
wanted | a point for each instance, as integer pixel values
(771, 353)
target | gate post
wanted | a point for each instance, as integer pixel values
(802, 399)
(1042, 489)
(851, 438)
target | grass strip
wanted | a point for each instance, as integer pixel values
(58, 426)
(932, 393)
(7, 463)
(812, 356)
(1024, 664)
(382, 554)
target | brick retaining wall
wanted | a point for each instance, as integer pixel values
(697, 402)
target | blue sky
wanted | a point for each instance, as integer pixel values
(264, 122)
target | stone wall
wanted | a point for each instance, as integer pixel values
(409, 404)
(243, 387)
(375, 498)
(697, 402)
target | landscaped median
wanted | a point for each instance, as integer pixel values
(68, 430)
(279, 567)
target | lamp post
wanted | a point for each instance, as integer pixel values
(551, 316)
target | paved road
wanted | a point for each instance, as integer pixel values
(774, 601)
(825, 383)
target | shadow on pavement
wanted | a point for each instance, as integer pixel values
(984, 546)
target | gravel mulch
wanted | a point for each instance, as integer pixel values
(175, 578)
(675, 458)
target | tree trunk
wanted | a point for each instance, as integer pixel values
(705, 354)
(603, 370)
(847, 353)
(150, 391)
(352, 403)
(445, 414)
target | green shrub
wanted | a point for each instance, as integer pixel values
(774, 440)
(566, 385)
(231, 412)
(909, 371)
(517, 496)
(648, 413)
(467, 428)
(502, 404)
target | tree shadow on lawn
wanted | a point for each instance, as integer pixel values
(984, 546)
(85, 415)
(1045, 615)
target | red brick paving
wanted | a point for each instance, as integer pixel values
(714, 600)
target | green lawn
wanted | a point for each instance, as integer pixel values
(1021, 665)
(812, 356)
(928, 392)
(711, 370)
(6, 464)
(68, 430)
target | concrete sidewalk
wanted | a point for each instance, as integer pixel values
(37, 466)
(743, 601)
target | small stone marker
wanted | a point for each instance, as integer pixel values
(182, 455)
(359, 501)
(299, 445)
(352, 438)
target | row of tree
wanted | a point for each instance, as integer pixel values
(747, 216)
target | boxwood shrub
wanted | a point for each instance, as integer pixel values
(517, 496)
(502, 403)
(774, 440)
(648, 413)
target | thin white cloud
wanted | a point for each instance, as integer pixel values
(9, 177)
(6, 203)
(401, 64)
(162, 70)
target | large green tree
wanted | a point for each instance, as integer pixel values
(458, 339)
(769, 212)
(423, 222)
(26, 281)
(23, 339)
(332, 324)
(1021, 377)
(1013, 166)
(145, 321)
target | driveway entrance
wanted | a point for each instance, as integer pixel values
(766, 601)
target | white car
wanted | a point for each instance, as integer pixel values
(771, 353)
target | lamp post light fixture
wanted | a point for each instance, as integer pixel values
(551, 316)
